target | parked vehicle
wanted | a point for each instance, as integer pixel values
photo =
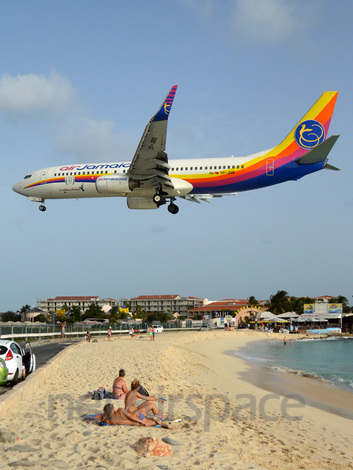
(205, 328)
(220, 326)
(3, 372)
(158, 328)
(17, 360)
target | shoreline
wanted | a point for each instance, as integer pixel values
(318, 393)
(226, 422)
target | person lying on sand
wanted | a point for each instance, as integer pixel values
(136, 418)
(119, 386)
(146, 406)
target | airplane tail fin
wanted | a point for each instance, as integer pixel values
(310, 132)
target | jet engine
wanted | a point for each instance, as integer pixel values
(115, 184)
(141, 203)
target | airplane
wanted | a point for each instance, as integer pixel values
(150, 179)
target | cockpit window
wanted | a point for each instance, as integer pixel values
(26, 177)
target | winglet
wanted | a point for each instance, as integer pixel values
(163, 112)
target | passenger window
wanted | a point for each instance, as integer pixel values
(205, 167)
(177, 169)
(191, 168)
(83, 172)
(181, 169)
(242, 166)
(219, 167)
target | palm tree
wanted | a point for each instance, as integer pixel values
(279, 303)
(252, 300)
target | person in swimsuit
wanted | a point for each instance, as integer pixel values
(119, 386)
(136, 418)
(146, 406)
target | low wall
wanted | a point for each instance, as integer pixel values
(32, 383)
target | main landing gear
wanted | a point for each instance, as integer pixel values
(42, 208)
(159, 199)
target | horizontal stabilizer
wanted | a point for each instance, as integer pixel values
(319, 153)
(331, 167)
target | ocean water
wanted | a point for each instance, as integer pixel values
(326, 359)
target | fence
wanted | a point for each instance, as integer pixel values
(47, 330)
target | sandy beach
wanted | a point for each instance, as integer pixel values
(226, 422)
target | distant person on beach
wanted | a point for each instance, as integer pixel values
(63, 326)
(119, 386)
(146, 406)
(285, 341)
(150, 332)
(87, 336)
(131, 333)
(135, 418)
(110, 333)
(291, 342)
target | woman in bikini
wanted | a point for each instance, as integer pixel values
(119, 386)
(145, 406)
(123, 417)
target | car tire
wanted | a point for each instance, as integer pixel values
(14, 381)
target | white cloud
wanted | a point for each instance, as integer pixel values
(269, 22)
(51, 101)
(28, 96)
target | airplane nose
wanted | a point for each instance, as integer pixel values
(17, 187)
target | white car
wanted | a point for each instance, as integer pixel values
(17, 359)
(158, 328)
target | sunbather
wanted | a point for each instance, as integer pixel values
(146, 406)
(136, 418)
(119, 386)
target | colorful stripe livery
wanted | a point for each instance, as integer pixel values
(163, 112)
(278, 164)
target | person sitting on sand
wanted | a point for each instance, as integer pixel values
(87, 336)
(119, 386)
(146, 406)
(131, 333)
(136, 418)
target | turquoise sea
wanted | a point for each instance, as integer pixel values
(329, 359)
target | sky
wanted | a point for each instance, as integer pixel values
(79, 82)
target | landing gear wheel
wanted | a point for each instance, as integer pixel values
(158, 199)
(42, 208)
(173, 208)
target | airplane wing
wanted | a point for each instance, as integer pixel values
(150, 163)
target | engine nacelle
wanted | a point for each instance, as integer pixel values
(141, 203)
(115, 184)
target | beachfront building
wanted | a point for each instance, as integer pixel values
(83, 302)
(174, 304)
(221, 308)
